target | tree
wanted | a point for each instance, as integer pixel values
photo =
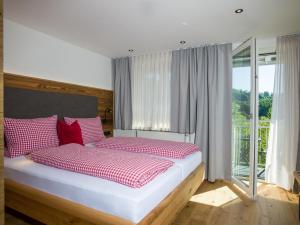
(241, 125)
(265, 105)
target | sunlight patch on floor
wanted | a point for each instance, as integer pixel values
(273, 192)
(216, 197)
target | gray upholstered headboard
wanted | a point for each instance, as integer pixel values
(25, 103)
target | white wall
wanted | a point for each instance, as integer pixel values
(30, 52)
(266, 45)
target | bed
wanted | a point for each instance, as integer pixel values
(55, 196)
(132, 204)
(50, 208)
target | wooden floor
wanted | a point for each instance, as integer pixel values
(223, 204)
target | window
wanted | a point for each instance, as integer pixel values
(151, 76)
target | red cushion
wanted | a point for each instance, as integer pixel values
(26, 135)
(69, 133)
(91, 128)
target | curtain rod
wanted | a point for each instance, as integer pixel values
(289, 35)
(209, 44)
(170, 50)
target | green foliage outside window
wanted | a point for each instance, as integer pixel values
(241, 125)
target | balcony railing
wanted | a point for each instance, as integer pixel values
(241, 147)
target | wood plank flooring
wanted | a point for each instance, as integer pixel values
(221, 203)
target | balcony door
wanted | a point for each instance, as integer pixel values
(244, 117)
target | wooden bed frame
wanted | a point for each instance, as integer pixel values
(53, 210)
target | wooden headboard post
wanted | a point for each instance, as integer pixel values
(105, 97)
(1, 119)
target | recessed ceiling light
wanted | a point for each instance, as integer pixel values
(239, 11)
(130, 50)
(182, 42)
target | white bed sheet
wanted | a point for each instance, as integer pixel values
(188, 164)
(107, 196)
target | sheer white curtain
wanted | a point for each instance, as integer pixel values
(151, 91)
(284, 132)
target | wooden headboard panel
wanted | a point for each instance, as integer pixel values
(105, 97)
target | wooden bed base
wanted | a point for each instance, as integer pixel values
(53, 210)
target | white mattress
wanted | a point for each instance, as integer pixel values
(107, 196)
(189, 164)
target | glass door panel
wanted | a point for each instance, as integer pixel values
(244, 116)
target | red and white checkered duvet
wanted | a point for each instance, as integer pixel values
(126, 168)
(169, 149)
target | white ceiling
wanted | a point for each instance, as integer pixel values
(111, 27)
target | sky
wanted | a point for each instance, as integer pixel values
(241, 78)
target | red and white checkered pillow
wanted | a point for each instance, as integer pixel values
(91, 128)
(24, 136)
(6, 152)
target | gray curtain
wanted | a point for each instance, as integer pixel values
(121, 76)
(201, 83)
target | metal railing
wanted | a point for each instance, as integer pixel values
(241, 146)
